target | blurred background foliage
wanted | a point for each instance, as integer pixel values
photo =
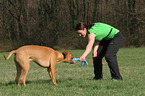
(52, 22)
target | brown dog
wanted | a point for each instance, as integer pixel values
(44, 56)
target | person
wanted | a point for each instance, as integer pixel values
(108, 40)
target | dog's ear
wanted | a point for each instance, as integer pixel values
(65, 53)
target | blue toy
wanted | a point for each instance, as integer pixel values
(75, 59)
(83, 62)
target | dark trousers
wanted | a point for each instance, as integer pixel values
(108, 49)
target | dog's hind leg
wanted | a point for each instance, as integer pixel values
(25, 72)
(25, 65)
(19, 70)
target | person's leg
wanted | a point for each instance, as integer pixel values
(97, 61)
(111, 57)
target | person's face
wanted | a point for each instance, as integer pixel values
(82, 32)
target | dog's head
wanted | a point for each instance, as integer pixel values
(68, 57)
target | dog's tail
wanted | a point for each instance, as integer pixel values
(14, 51)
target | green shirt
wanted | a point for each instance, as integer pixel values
(102, 30)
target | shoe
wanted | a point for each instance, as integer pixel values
(97, 78)
(117, 79)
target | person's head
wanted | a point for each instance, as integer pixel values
(81, 29)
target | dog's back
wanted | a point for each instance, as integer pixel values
(34, 49)
(31, 51)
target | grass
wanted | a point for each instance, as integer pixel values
(77, 80)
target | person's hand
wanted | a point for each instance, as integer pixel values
(75, 60)
(95, 54)
(82, 58)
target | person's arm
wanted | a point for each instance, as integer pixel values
(95, 49)
(89, 46)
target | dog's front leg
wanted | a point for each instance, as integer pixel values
(49, 71)
(53, 75)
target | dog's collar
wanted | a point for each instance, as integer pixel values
(64, 55)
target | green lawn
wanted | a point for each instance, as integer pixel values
(77, 80)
